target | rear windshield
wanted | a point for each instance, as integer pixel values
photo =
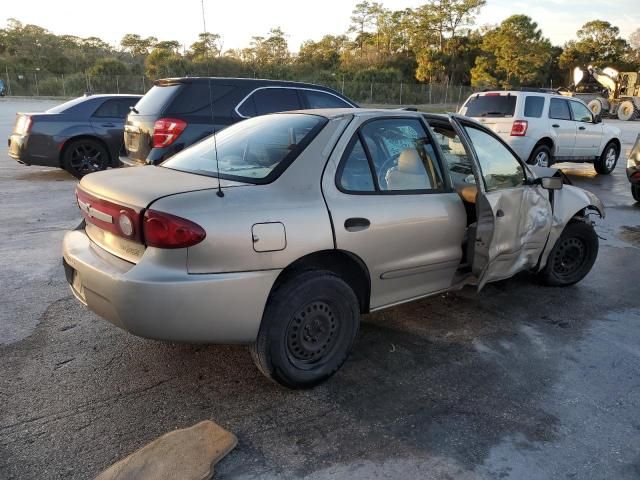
(491, 106)
(63, 107)
(155, 100)
(257, 150)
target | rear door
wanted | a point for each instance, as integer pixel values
(588, 133)
(564, 127)
(391, 206)
(108, 121)
(513, 217)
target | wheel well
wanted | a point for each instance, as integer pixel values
(616, 142)
(545, 141)
(345, 265)
(69, 141)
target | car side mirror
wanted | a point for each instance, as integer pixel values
(597, 118)
(551, 183)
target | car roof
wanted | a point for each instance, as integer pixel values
(249, 82)
(360, 112)
(112, 95)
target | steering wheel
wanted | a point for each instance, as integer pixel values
(387, 165)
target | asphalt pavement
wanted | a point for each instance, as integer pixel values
(520, 381)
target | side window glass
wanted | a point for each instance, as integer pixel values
(402, 154)
(455, 155)
(317, 99)
(580, 112)
(271, 100)
(356, 174)
(559, 109)
(500, 169)
(533, 106)
(107, 109)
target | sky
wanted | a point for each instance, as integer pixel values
(238, 20)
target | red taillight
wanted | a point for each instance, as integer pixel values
(163, 230)
(166, 131)
(519, 128)
(117, 219)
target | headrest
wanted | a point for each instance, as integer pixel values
(409, 161)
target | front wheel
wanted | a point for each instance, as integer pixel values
(540, 157)
(307, 331)
(572, 256)
(608, 160)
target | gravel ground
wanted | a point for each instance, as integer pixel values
(519, 382)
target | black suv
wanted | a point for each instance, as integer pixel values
(178, 112)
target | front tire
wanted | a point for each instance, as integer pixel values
(541, 156)
(308, 328)
(572, 256)
(627, 111)
(84, 156)
(608, 160)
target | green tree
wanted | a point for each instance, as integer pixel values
(208, 45)
(598, 43)
(137, 46)
(513, 54)
(108, 67)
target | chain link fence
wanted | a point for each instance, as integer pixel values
(366, 93)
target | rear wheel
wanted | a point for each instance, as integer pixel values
(595, 106)
(572, 256)
(540, 157)
(84, 156)
(307, 331)
(608, 160)
(635, 191)
(627, 110)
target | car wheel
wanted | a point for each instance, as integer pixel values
(626, 110)
(540, 157)
(595, 106)
(635, 191)
(307, 331)
(608, 160)
(572, 256)
(84, 156)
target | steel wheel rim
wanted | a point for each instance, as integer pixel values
(570, 257)
(542, 159)
(312, 334)
(86, 158)
(610, 158)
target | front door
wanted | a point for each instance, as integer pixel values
(588, 133)
(563, 126)
(392, 207)
(513, 216)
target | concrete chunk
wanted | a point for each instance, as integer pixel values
(188, 454)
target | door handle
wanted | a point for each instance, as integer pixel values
(356, 224)
(500, 213)
(555, 125)
(582, 128)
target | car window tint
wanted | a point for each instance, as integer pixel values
(356, 173)
(580, 112)
(271, 100)
(455, 155)
(194, 98)
(402, 154)
(157, 99)
(533, 106)
(500, 169)
(316, 99)
(115, 108)
(559, 109)
(491, 105)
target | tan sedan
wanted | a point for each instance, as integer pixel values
(319, 216)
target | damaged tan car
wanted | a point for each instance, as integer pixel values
(280, 231)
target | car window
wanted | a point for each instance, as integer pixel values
(533, 105)
(115, 108)
(491, 105)
(316, 99)
(356, 173)
(255, 151)
(68, 106)
(500, 168)
(195, 98)
(270, 100)
(157, 99)
(402, 155)
(455, 155)
(559, 109)
(580, 112)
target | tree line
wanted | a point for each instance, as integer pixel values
(437, 42)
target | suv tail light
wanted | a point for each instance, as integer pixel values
(162, 230)
(519, 128)
(166, 131)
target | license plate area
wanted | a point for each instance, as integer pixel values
(132, 140)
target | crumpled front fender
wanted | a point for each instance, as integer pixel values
(567, 203)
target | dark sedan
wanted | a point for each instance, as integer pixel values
(83, 135)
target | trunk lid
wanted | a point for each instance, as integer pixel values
(103, 197)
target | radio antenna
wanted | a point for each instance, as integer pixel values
(219, 193)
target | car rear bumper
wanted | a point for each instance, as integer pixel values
(633, 174)
(523, 146)
(164, 302)
(19, 150)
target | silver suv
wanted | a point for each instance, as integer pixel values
(297, 223)
(543, 127)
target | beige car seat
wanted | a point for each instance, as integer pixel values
(409, 174)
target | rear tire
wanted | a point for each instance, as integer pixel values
(573, 255)
(308, 328)
(635, 191)
(595, 106)
(540, 157)
(84, 156)
(608, 160)
(627, 110)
